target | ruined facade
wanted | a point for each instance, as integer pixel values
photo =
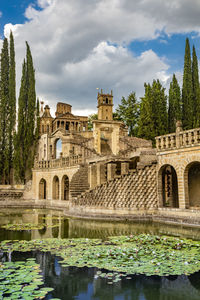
(72, 159)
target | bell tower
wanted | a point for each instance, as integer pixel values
(105, 106)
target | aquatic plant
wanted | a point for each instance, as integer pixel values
(22, 280)
(142, 254)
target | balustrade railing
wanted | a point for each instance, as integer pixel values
(59, 163)
(178, 140)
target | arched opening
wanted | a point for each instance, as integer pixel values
(58, 148)
(168, 187)
(65, 188)
(42, 189)
(56, 188)
(193, 177)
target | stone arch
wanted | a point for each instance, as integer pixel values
(42, 189)
(192, 184)
(168, 187)
(57, 148)
(55, 188)
(65, 188)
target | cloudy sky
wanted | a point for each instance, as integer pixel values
(81, 45)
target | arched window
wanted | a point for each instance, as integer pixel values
(65, 188)
(58, 148)
(55, 188)
(193, 177)
(42, 189)
(168, 187)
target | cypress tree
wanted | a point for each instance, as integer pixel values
(159, 108)
(25, 137)
(174, 109)
(4, 114)
(12, 104)
(187, 90)
(196, 89)
(153, 112)
(20, 155)
(31, 109)
(146, 125)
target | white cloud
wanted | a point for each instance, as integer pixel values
(80, 45)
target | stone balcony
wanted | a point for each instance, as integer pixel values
(69, 161)
(179, 139)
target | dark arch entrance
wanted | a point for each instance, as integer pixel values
(65, 188)
(194, 184)
(42, 189)
(56, 188)
(168, 187)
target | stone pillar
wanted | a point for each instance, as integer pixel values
(111, 171)
(124, 168)
(101, 174)
(183, 190)
(92, 176)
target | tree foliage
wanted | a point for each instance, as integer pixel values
(27, 121)
(187, 89)
(128, 112)
(4, 114)
(153, 111)
(174, 109)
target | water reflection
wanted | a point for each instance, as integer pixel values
(57, 226)
(81, 283)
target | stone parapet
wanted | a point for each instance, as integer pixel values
(179, 139)
(59, 163)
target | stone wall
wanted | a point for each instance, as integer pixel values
(136, 190)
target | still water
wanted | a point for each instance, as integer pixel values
(82, 283)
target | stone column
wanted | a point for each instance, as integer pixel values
(60, 190)
(92, 176)
(111, 171)
(124, 168)
(101, 174)
(183, 196)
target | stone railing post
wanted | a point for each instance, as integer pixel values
(124, 168)
(111, 171)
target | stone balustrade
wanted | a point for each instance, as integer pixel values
(178, 140)
(59, 163)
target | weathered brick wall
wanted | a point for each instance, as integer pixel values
(137, 189)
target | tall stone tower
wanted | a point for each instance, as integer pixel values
(105, 106)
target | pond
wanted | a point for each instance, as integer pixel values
(86, 283)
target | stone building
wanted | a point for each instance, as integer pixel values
(71, 159)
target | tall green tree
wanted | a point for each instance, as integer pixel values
(128, 112)
(27, 121)
(12, 105)
(196, 89)
(174, 109)
(153, 112)
(146, 123)
(4, 113)
(187, 90)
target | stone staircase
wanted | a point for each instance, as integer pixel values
(135, 190)
(79, 182)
